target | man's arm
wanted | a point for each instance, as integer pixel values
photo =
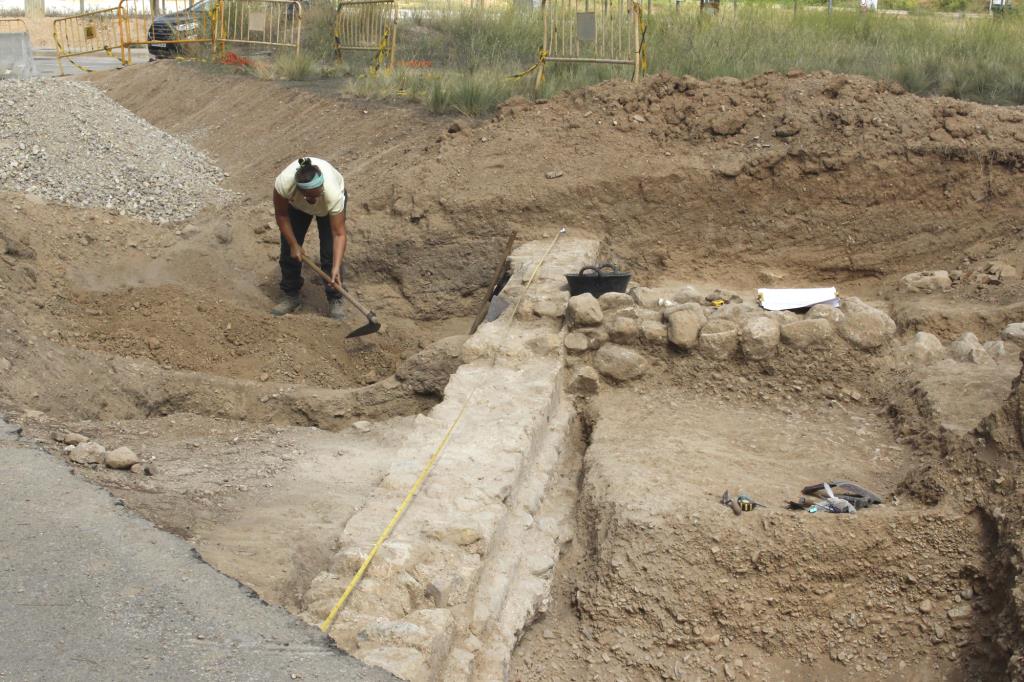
(284, 223)
(340, 239)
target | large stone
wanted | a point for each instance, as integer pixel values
(815, 333)
(654, 332)
(719, 338)
(584, 381)
(614, 300)
(549, 307)
(1003, 272)
(624, 330)
(925, 348)
(684, 326)
(72, 438)
(649, 298)
(596, 336)
(584, 311)
(1014, 332)
(759, 337)
(825, 311)
(687, 294)
(619, 363)
(576, 342)
(737, 311)
(428, 371)
(87, 453)
(120, 458)
(926, 282)
(865, 327)
(784, 317)
(967, 348)
(996, 349)
(544, 344)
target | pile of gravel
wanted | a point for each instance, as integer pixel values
(68, 142)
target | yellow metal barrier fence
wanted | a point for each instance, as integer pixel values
(367, 26)
(88, 33)
(13, 25)
(269, 23)
(165, 26)
(593, 32)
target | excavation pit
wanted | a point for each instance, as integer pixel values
(573, 528)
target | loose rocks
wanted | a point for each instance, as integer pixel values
(864, 327)
(619, 363)
(87, 453)
(1014, 332)
(68, 142)
(72, 438)
(121, 458)
(584, 310)
(926, 282)
(968, 349)
(925, 348)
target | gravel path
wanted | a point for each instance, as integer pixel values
(68, 142)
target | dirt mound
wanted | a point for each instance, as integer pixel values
(819, 175)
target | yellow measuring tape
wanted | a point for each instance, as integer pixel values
(329, 620)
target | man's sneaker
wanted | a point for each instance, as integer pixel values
(336, 309)
(288, 305)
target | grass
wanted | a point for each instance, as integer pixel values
(472, 53)
(979, 60)
(294, 66)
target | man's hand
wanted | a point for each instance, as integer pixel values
(336, 278)
(297, 251)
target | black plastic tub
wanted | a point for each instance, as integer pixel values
(597, 280)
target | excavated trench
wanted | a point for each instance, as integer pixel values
(663, 582)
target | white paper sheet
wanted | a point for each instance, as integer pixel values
(791, 299)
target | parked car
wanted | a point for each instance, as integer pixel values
(190, 24)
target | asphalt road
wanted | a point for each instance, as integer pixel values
(92, 592)
(45, 60)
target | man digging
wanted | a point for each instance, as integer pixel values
(309, 188)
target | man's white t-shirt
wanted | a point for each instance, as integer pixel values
(331, 200)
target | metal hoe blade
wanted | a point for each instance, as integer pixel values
(371, 327)
(372, 323)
